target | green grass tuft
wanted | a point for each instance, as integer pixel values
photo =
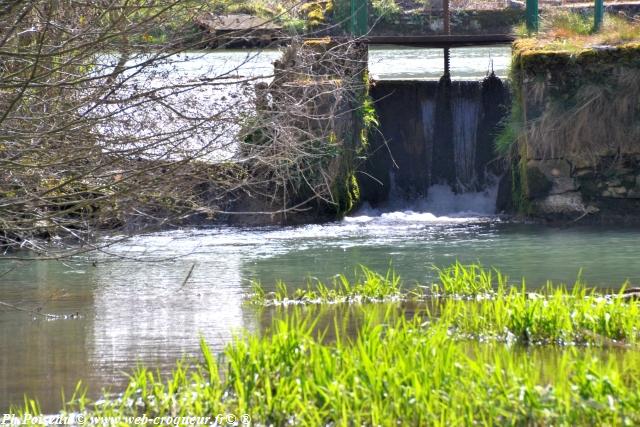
(468, 280)
(368, 286)
(442, 364)
(396, 372)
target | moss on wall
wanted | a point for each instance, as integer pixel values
(579, 107)
(347, 188)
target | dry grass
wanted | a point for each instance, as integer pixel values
(603, 120)
(587, 103)
(571, 31)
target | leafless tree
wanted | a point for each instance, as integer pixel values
(102, 129)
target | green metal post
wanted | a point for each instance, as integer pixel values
(598, 15)
(359, 18)
(532, 16)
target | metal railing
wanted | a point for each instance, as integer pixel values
(357, 22)
(533, 13)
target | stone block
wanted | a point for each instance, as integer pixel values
(557, 172)
(564, 204)
(563, 185)
(553, 168)
(538, 185)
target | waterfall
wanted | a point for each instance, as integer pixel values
(428, 115)
(465, 107)
(434, 148)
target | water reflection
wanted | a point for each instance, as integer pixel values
(40, 355)
(146, 311)
(134, 311)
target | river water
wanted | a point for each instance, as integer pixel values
(131, 304)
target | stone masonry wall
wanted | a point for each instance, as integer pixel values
(578, 154)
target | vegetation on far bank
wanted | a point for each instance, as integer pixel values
(427, 367)
(295, 16)
(575, 32)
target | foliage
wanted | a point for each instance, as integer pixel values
(473, 300)
(582, 106)
(101, 127)
(295, 16)
(397, 370)
(551, 315)
(367, 286)
(385, 8)
(511, 129)
(317, 11)
(369, 116)
(581, 98)
(461, 280)
(312, 126)
(569, 24)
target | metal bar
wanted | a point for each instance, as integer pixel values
(447, 62)
(442, 41)
(447, 30)
(598, 15)
(532, 16)
(435, 41)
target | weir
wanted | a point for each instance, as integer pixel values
(433, 133)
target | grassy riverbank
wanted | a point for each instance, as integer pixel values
(465, 355)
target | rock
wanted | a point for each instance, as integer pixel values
(538, 185)
(564, 204)
(563, 185)
(553, 168)
(615, 192)
(504, 200)
(590, 187)
(557, 172)
(631, 294)
(582, 161)
(620, 191)
(584, 173)
(633, 194)
(629, 181)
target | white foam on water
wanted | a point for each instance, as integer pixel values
(442, 205)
